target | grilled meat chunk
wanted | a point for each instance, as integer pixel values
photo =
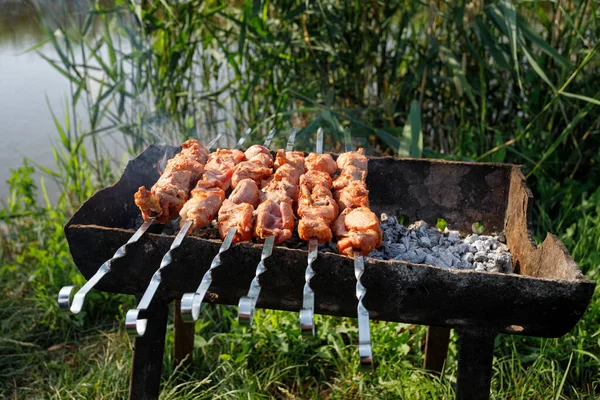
(246, 191)
(317, 203)
(239, 216)
(321, 162)
(273, 219)
(292, 158)
(357, 229)
(250, 170)
(259, 155)
(349, 174)
(353, 158)
(283, 190)
(354, 195)
(220, 165)
(314, 228)
(203, 206)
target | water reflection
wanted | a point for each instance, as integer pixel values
(29, 85)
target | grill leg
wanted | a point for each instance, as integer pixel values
(148, 355)
(183, 341)
(436, 349)
(475, 355)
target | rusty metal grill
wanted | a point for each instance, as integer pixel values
(545, 297)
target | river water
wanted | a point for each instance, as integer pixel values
(29, 86)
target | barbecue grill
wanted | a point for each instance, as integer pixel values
(546, 295)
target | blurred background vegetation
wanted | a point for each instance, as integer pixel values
(502, 81)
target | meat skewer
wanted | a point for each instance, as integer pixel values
(192, 302)
(357, 230)
(64, 295)
(317, 210)
(207, 195)
(247, 304)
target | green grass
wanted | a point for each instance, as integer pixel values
(503, 81)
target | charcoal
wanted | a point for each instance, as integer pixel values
(420, 243)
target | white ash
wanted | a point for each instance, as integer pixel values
(422, 244)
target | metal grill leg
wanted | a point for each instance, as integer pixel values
(436, 348)
(183, 341)
(475, 355)
(148, 355)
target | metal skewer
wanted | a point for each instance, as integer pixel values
(192, 302)
(134, 323)
(364, 331)
(247, 304)
(75, 306)
(307, 313)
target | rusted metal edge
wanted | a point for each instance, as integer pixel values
(551, 260)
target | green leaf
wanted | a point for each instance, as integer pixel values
(581, 97)
(510, 17)
(536, 39)
(536, 67)
(412, 130)
(462, 85)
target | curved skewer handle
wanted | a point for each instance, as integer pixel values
(191, 302)
(247, 304)
(364, 331)
(134, 323)
(75, 306)
(307, 314)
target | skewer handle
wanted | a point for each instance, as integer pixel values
(307, 314)
(191, 302)
(247, 304)
(134, 321)
(64, 295)
(364, 331)
(269, 137)
(240, 142)
(213, 142)
(290, 143)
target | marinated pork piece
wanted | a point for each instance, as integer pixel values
(283, 190)
(246, 191)
(314, 229)
(354, 195)
(357, 229)
(239, 216)
(317, 203)
(288, 171)
(220, 165)
(250, 170)
(274, 219)
(203, 206)
(321, 162)
(260, 155)
(171, 191)
(349, 174)
(293, 158)
(257, 166)
(353, 158)
(313, 178)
